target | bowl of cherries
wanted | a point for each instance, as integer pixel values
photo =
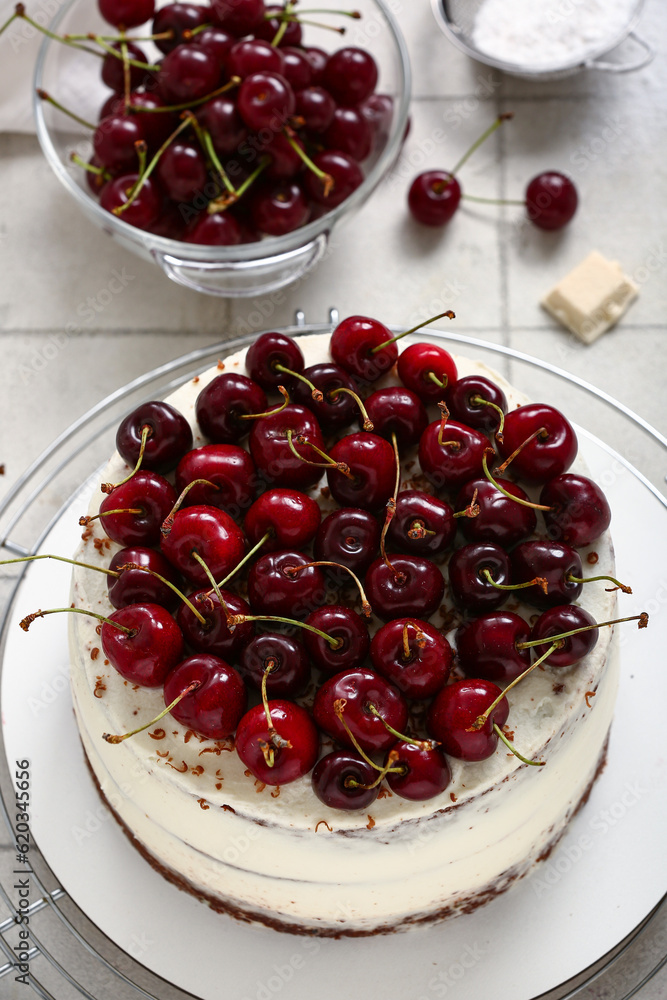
(222, 139)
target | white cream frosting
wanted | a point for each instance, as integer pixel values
(283, 855)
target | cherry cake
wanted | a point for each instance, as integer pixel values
(380, 796)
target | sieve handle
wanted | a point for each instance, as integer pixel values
(626, 67)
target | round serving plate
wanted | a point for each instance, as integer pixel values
(591, 917)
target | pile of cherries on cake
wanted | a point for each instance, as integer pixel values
(239, 130)
(238, 528)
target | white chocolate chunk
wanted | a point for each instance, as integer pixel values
(591, 298)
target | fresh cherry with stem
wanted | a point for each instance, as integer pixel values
(551, 200)
(207, 630)
(290, 518)
(224, 407)
(344, 625)
(349, 536)
(478, 402)
(136, 586)
(413, 655)
(428, 370)
(574, 632)
(169, 438)
(361, 690)
(417, 772)
(277, 741)
(499, 519)
(133, 512)
(215, 707)
(224, 474)
(490, 646)
(343, 779)
(578, 511)
(281, 658)
(538, 442)
(422, 525)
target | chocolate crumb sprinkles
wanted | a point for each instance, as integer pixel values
(95, 652)
(592, 558)
(589, 694)
(157, 734)
(319, 823)
(100, 687)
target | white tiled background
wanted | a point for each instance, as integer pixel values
(607, 131)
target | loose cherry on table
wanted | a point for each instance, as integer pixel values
(454, 711)
(551, 200)
(344, 625)
(490, 646)
(343, 779)
(280, 751)
(348, 536)
(413, 655)
(363, 699)
(218, 703)
(281, 658)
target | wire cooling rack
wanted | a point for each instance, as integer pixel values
(64, 954)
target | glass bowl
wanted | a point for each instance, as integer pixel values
(249, 269)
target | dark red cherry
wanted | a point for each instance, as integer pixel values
(372, 466)
(362, 690)
(216, 41)
(220, 229)
(434, 197)
(289, 517)
(459, 458)
(113, 70)
(378, 110)
(146, 655)
(463, 399)
(339, 777)
(151, 496)
(410, 587)
(354, 342)
(271, 353)
(182, 171)
(216, 706)
(271, 24)
(551, 200)
(554, 561)
(422, 525)
(344, 625)
(134, 586)
(214, 635)
(500, 520)
(223, 402)
(177, 18)
(290, 666)
(418, 362)
(252, 55)
(336, 410)
(487, 646)
(269, 447)
(279, 209)
(222, 121)
(115, 142)
(565, 618)
(144, 209)
(579, 511)
(316, 106)
(343, 176)
(299, 742)
(424, 773)
(454, 711)
(552, 447)
(241, 17)
(170, 436)
(209, 532)
(349, 536)
(229, 468)
(350, 133)
(285, 161)
(283, 583)
(413, 655)
(265, 100)
(188, 73)
(297, 69)
(126, 13)
(350, 75)
(398, 411)
(156, 125)
(468, 585)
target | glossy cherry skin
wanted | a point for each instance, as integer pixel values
(413, 587)
(361, 688)
(134, 586)
(188, 73)
(316, 106)
(426, 772)
(170, 436)
(332, 774)
(212, 534)
(221, 119)
(147, 654)
(350, 75)
(342, 624)
(349, 536)
(415, 512)
(268, 351)
(269, 447)
(214, 636)
(487, 646)
(290, 671)
(297, 68)
(500, 520)
(289, 517)
(177, 18)
(352, 345)
(114, 142)
(554, 561)
(285, 161)
(343, 170)
(468, 587)
(213, 709)
(426, 668)
(241, 17)
(265, 100)
(378, 110)
(414, 365)
(294, 725)
(222, 403)
(434, 197)
(372, 464)
(146, 492)
(461, 397)
(229, 468)
(216, 41)
(277, 585)
(398, 411)
(279, 209)
(126, 13)
(143, 211)
(270, 25)
(113, 71)
(564, 618)
(551, 200)
(350, 133)
(253, 55)
(182, 171)
(156, 127)
(455, 709)
(459, 458)
(548, 455)
(579, 511)
(220, 229)
(333, 412)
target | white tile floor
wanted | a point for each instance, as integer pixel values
(607, 131)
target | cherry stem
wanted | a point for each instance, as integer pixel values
(20, 12)
(444, 417)
(127, 88)
(388, 768)
(418, 530)
(85, 520)
(245, 559)
(478, 400)
(524, 760)
(339, 709)
(391, 507)
(72, 562)
(367, 422)
(224, 201)
(483, 137)
(44, 96)
(538, 581)
(259, 416)
(284, 23)
(162, 579)
(422, 744)
(206, 142)
(365, 604)
(146, 432)
(211, 580)
(472, 510)
(328, 464)
(168, 523)
(314, 391)
(447, 314)
(481, 719)
(641, 618)
(540, 432)
(327, 179)
(26, 622)
(99, 40)
(591, 579)
(406, 644)
(268, 752)
(441, 383)
(166, 35)
(191, 33)
(119, 209)
(90, 167)
(501, 489)
(119, 739)
(235, 620)
(493, 201)
(234, 81)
